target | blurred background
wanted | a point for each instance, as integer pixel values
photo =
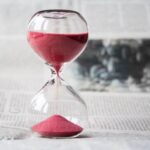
(117, 57)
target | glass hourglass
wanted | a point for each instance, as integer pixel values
(58, 37)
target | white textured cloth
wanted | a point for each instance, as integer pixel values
(98, 142)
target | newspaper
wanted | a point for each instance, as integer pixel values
(22, 74)
(116, 18)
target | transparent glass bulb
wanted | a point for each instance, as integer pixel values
(57, 98)
(58, 37)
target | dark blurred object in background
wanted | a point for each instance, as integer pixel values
(122, 65)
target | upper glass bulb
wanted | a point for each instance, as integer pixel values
(58, 36)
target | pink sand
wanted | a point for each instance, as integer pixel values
(57, 126)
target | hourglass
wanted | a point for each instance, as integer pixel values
(58, 37)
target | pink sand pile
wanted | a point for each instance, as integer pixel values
(57, 126)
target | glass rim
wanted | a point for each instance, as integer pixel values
(58, 10)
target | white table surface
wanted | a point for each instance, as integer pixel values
(97, 142)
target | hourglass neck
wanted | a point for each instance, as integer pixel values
(56, 69)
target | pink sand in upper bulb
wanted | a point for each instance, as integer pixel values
(57, 126)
